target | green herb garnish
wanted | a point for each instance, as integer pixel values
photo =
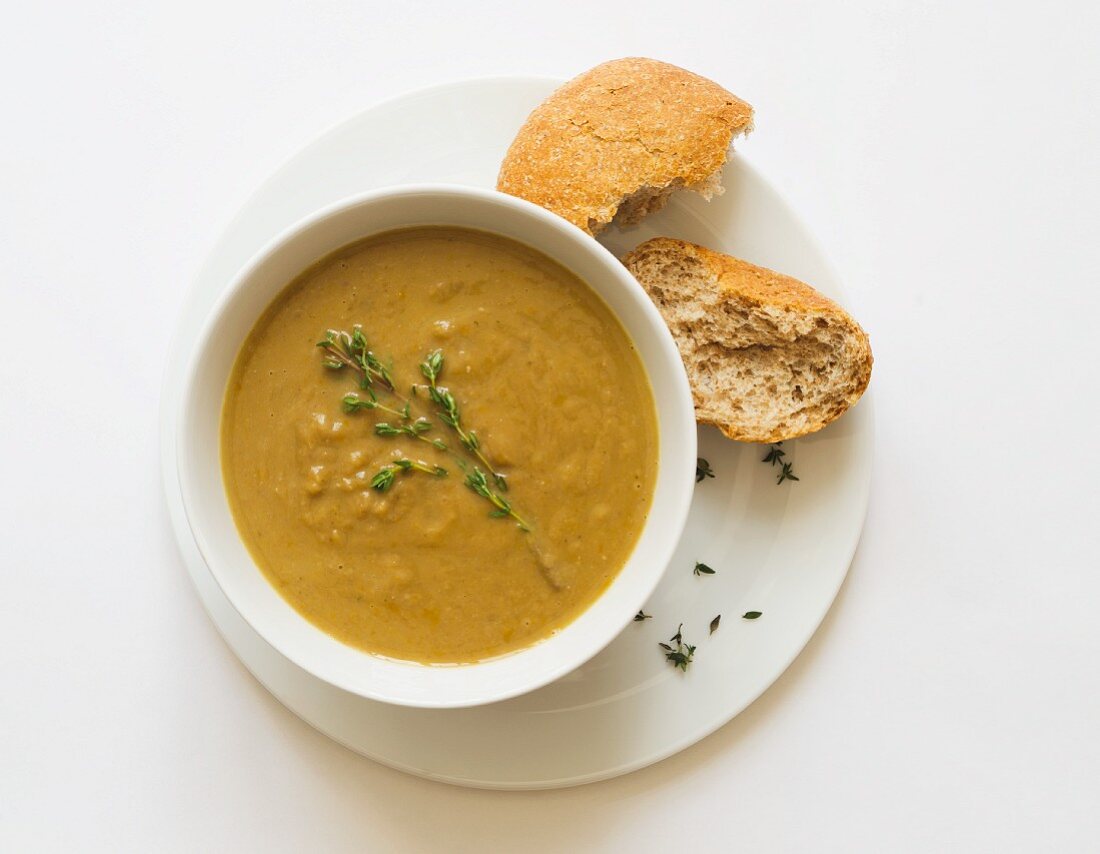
(416, 429)
(751, 615)
(785, 474)
(702, 569)
(641, 616)
(351, 350)
(714, 624)
(479, 483)
(431, 368)
(702, 470)
(354, 403)
(385, 476)
(680, 656)
(775, 457)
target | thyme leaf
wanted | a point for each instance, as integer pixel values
(785, 474)
(775, 458)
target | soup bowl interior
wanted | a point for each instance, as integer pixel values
(207, 506)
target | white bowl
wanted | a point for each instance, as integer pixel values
(208, 513)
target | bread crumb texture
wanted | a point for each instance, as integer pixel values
(768, 357)
(619, 139)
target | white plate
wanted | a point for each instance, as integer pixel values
(783, 550)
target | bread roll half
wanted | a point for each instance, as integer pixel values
(768, 357)
(619, 139)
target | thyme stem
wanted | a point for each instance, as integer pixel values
(385, 476)
(431, 368)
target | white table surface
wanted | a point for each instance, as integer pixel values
(945, 154)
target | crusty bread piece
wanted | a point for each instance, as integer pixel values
(620, 139)
(768, 357)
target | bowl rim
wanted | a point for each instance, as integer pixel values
(679, 413)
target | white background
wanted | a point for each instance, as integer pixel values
(946, 156)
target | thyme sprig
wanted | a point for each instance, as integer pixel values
(775, 457)
(431, 368)
(354, 403)
(386, 475)
(702, 470)
(479, 483)
(642, 616)
(351, 350)
(416, 429)
(682, 655)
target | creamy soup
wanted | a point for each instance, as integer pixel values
(401, 540)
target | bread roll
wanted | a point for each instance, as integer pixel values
(619, 139)
(768, 357)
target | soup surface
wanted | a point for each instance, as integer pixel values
(538, 367)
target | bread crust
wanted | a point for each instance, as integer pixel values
(624, 126)
(752, 286)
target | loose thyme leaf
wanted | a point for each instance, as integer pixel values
(641, 616)
(785, 474)
(714, 624)
(751, 615)
(682, 655)
(702, 569)
(775, 454)
(702, 470)
(775, 457)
